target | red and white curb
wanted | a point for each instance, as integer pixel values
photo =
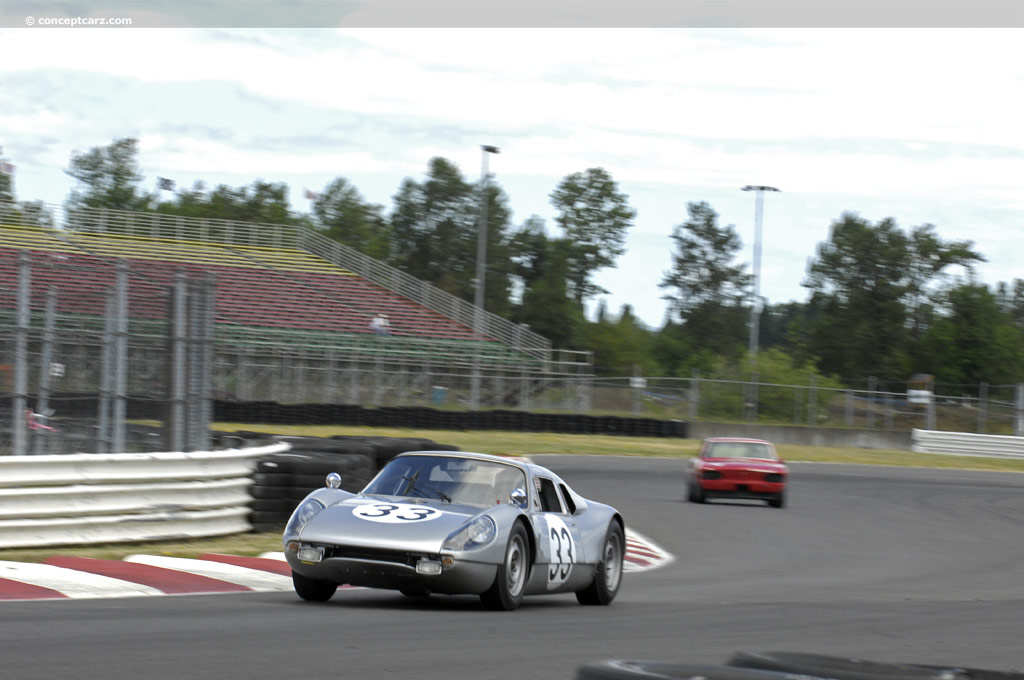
(141, 575)
(642, 554)
(66, 577)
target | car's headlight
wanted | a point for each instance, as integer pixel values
(302, 515)
(473, 534)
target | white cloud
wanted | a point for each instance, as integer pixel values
(921, 125)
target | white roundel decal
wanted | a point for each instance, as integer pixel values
(563, 551)
(395, 513)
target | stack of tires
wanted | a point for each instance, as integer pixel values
(785, 666)
(282, 480)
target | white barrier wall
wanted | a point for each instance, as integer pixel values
(110, 498)
(966, 444)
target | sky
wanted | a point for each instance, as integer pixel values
(920, 125)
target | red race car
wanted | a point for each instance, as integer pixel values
(737, 468)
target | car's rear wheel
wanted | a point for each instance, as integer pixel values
(605, 586)
(312, 589)
(506, 593)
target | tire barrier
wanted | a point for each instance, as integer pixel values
(282, 480)
(784, 666)
(660, 670)
(842, 668)
(423, 418)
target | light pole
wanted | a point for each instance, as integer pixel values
(481, 270)
(481, 239)
(755, 308)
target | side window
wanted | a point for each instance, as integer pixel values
(548, 495)
(570, 505)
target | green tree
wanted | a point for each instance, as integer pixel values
(974, 339)
(24, 213)
(594, 217)
(343, 215)
(858, 282)
(706, 288)
(929, 258)
(259, 203)
(546, 306)
(1011, 301)
(434, 229)
(108, 177)
(6, 187)
(872, 288)
(619, 345)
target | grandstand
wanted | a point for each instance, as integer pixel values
(292, 313)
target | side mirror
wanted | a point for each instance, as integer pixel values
(334, 481)
(518, 496)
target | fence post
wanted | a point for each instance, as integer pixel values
(694, 402)
(1018, 425)
(751, 392)
(872, 386)
(179, 339)
(812, 400)
(637, 384)
(929, 412)
(982, 407)
(849, 408)
(889, 398)
(20, 401)
(120, 358)
(43, 400)
(103, 444)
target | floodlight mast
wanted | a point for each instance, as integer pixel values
(481, 239)
(481, 270)
(755, 308)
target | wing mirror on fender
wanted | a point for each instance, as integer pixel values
(518, 496)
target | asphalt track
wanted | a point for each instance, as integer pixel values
(888, 564)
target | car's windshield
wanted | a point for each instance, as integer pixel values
(451, 479)
(740, 450)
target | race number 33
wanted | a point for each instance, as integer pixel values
(562, 549)
(395, 513)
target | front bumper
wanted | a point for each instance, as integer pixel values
(394, 569)
(730, 488)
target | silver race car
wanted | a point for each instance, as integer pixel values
(457, 523)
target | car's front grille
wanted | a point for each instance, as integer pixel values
(376, 554)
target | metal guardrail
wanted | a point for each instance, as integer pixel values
(966, 444)
(109, 498)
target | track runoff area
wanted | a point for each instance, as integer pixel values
(66, 577)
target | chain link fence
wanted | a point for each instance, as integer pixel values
(983, 409)
(101, 355)
(113, 363)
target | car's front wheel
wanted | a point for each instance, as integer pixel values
(605, 586)
(506, 593)
(778, 501)
(312, 589)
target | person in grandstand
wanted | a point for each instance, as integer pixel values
(381, 325)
